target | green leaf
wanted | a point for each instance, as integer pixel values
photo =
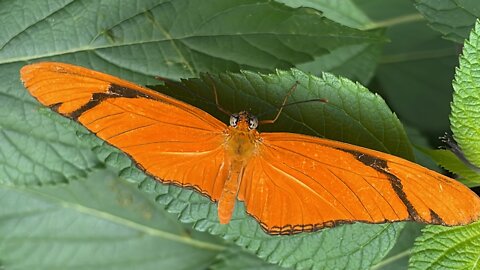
(191, 37)
(453, 18)
(99, 223)
(447, 248)
(466, 99)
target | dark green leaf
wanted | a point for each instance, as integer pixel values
(177, 38)
(415, 74)
(356, 62)
(453, 18)
(345, 12)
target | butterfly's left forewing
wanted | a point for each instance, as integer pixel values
(170, 140)
(302, 183)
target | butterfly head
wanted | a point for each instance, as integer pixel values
(244, 121)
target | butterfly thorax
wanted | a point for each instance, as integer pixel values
(242, 137)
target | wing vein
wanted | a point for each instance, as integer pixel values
(308, 187)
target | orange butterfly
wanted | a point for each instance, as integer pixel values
(290, 183)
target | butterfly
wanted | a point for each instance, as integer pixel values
(290, 183)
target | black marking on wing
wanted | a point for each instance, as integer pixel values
(114, 91)
(436, 219)
(381, 166)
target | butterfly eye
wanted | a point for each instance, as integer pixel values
(234, 119)
(252, 122)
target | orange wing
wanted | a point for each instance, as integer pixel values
(170, 140)
(302, 183)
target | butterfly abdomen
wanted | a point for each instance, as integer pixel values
(226, 204)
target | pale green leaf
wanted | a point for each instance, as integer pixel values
(447, 248)
(451, 163)
(465, 113)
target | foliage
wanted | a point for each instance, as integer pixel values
(70, 201)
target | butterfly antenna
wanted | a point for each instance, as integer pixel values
(219, 107)
(285, 104)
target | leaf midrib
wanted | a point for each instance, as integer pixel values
(123, 221)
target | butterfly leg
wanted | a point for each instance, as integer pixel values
(289, 93)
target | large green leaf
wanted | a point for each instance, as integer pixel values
(453, 18)
(466, 99)
(178, 38)
(351, 114)
(99, 223)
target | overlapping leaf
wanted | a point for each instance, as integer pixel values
(453, 18)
